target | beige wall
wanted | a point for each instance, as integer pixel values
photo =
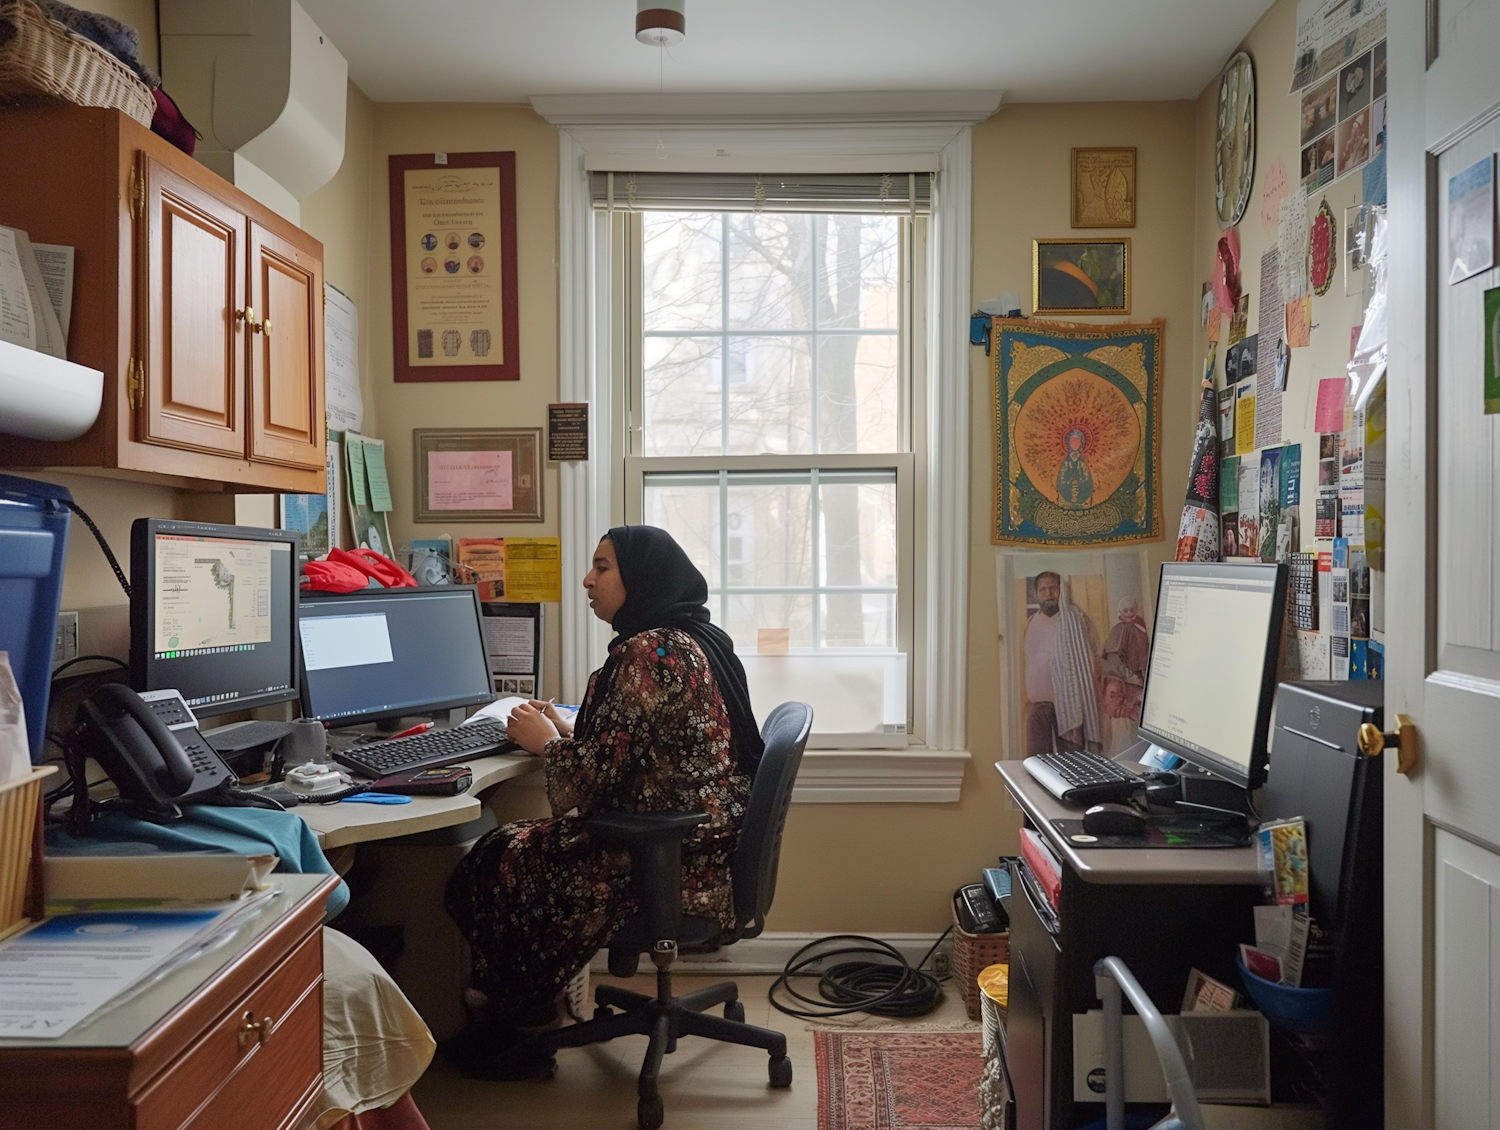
(428, 128)
(892, 868)
(1278, 118)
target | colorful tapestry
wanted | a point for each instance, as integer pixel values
(899, 1080)
(1077, 433)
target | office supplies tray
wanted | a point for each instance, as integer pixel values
(1162, 832)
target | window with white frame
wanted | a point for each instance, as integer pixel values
(771, 361)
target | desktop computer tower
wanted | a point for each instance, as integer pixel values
(1317, 772)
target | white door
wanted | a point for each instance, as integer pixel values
(1442, 894)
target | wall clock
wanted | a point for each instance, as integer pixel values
(1234, 146)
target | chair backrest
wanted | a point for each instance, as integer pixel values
(759, 850)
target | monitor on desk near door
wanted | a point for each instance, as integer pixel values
(1212, 673)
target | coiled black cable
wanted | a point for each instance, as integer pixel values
(890, 987)
(104, 545)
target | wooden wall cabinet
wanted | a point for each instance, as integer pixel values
(203, 308)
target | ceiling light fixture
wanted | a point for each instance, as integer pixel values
(660, 23)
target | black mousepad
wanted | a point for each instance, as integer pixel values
(1161, 832)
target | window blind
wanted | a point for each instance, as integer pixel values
(893, 193)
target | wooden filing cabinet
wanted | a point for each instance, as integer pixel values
(244, 1048)
(203, 308)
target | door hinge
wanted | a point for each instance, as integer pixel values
(135, 382)
(135, 198)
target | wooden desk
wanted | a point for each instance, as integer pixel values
(1163, 911)
(173, 1058)
(339, 825)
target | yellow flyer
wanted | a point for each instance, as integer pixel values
(533, 570)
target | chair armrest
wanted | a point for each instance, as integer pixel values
(637, 827)
(655, 843)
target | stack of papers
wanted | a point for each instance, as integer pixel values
(64, 970)
(36, 293)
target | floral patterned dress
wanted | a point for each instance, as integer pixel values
(538, 898)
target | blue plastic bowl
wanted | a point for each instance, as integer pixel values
(1305, 1011)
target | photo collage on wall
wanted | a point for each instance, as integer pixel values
(1343, 120)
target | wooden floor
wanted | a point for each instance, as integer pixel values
(704, 1085)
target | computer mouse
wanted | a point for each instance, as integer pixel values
(1113, 820)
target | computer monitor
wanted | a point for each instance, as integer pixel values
(1211, 677)
(388, 652)
(213, 613)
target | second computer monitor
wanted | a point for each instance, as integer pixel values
(384, 653)
(1215, 648)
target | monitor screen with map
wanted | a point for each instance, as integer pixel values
(213, 613)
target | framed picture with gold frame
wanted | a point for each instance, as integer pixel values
(1080, 276)
(477, 474)
(1104, 188)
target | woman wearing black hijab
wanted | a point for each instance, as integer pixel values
(666, 726)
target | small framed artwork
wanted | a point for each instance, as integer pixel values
(477, 474)
(1080, 276)
(1104, 188)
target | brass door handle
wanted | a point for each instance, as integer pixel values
(247, 315)
(1403, 739)
(257, 1030)
(265, 326)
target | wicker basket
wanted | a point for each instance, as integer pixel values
(41, 59)
(971, 954)
(20, 863)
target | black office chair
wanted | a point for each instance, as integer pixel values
(655, 842)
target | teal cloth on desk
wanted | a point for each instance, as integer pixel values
(242, 831)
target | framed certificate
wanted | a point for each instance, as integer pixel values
(477, 474)
(453, 267)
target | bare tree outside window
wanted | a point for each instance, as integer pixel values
(778, 334)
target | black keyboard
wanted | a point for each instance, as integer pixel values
(1080, 777)
(426, 751)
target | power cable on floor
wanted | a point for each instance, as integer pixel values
(888, 987)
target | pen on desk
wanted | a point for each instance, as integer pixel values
(412, 731)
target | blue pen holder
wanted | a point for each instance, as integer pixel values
(1304, 1011)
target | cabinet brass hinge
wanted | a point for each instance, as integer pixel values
(135, 198)
(134, 383)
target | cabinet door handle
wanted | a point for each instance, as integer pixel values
(265, 327)
(255, 1030)
(247, 315)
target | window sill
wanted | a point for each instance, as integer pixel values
(881, 776)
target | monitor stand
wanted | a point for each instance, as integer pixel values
(1198, 786)
(1201, 787)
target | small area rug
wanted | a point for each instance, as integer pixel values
(898, 1080)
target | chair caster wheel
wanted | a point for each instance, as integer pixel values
(735, 1010)
(649, 1114)
(780, 1071)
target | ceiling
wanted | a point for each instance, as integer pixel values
(1033, 50)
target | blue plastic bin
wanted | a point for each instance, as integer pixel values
(1305, 1011)
(33, 545)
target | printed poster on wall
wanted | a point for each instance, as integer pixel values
(453, 266)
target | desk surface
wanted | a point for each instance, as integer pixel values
(339, 824)
(1239, 866)
(121, 1025)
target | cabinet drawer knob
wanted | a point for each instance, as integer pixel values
(253, 1030)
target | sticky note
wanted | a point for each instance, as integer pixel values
(1332, 392)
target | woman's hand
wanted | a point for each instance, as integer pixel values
(530, 729)
(564, 727)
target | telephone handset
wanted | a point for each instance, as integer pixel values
(150, 746)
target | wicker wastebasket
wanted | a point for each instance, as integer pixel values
(973, 953)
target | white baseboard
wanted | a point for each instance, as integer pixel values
(770, 952)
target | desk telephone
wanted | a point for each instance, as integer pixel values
(150, 746)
